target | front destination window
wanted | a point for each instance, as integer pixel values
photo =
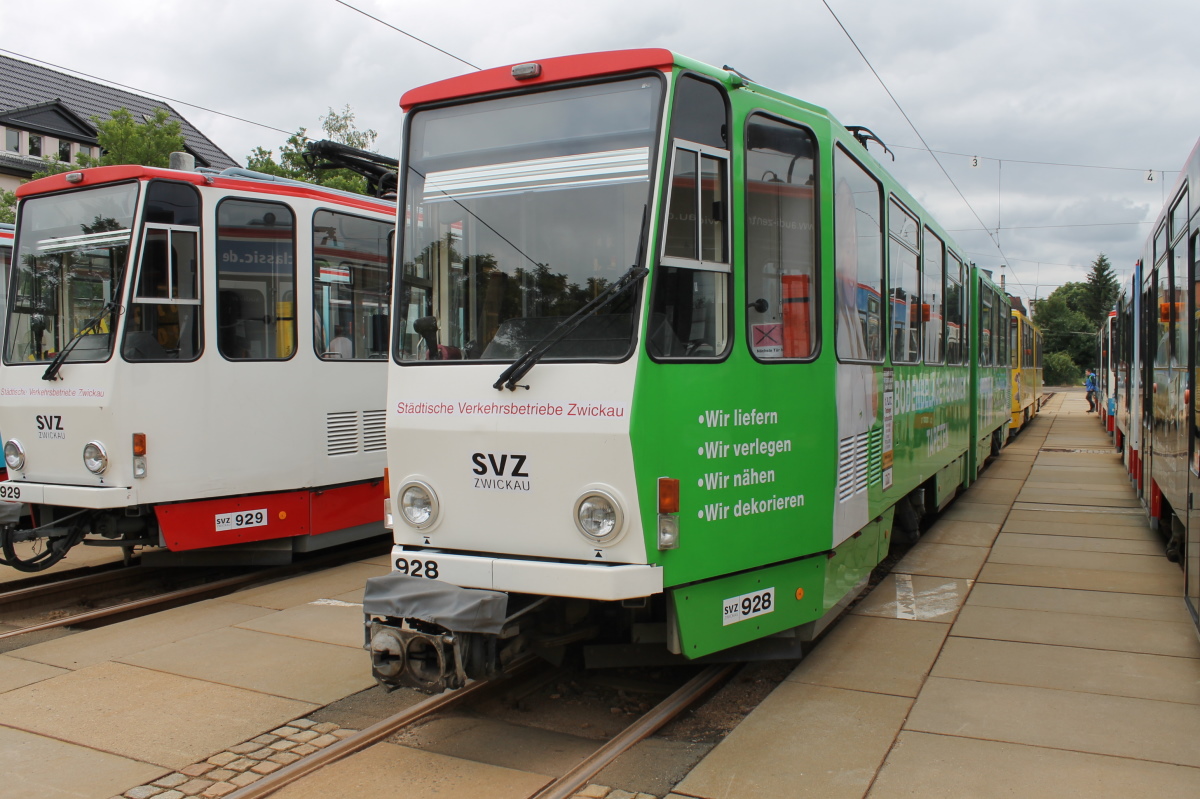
(70, 258)
(519, 210)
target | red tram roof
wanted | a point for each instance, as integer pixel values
(96, 176)
(553, 70)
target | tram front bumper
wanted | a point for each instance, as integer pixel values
(92, 497)
(600, 581)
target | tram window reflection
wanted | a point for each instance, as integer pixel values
(351, 257)
(256, 281)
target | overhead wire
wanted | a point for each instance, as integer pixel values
(924, 143)
(1035, 163)
(409, 35)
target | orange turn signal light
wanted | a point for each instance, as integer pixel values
(139, 444)
(668, 495)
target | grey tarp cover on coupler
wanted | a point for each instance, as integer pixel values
(466, 610)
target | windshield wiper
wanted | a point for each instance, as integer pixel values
(518, 369)
(89, 326)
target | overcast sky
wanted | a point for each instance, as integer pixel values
(1111, 86)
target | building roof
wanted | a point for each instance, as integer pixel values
(28, 95)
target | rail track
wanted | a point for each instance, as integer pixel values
(536, 673)
(113, 587)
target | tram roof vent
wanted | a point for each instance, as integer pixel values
(185, 162)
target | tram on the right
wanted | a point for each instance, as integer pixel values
(1153, 366)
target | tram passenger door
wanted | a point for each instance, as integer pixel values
(1191, 548)
(1149, 338)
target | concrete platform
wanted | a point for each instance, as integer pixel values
(95, 713)
(1034, 643)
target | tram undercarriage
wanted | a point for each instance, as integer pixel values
(43, 535)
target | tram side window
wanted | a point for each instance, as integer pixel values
(857, 220)
(905, 275)
(780, 245)
(1001, 310)
(256, 280)
(986, 325)
(351, 256)
(1179, 263)
(689, 315)
(164, 318)
(956, 331)
(1194, 257)
(933, 307)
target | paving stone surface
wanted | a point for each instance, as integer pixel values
(309, 588)
(950, 767)
(829, 740)
(974, 534)
(850, 655)
(41, 766)
(943, 560)
(1141, 729)
(115, 641)
(917, 597)
(175, 721)
(16, 672)
(271, 664)
(1070, 668)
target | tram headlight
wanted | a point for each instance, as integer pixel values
(95, 458)
(418, 504)
(598, 516)
(14, 455)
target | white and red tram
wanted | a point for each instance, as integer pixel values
(194, 360)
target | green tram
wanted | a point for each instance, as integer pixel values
(673, 355)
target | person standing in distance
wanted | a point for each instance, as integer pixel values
(1089, 384)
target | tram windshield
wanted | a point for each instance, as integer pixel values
(70, 256)
(519, 210)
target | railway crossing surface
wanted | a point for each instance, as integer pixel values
(1033, 643)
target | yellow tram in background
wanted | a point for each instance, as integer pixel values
(1025, 348)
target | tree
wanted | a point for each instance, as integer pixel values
(124, 140)
(1060, 370)
(8, 206)
(1064, 327)
(1102, 291)
(338, 127)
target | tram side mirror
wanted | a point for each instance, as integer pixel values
(426, 327)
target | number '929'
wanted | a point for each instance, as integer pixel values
(417, 568)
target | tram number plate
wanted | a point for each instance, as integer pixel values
(10, 492)
(245, 518)
(747, 606)
(415, 567)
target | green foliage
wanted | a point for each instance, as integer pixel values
(1066, 329)
(1102, 291)
(52, 166)
(123, 140)
(1060, 370)
(8, 206)
(337, 127)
